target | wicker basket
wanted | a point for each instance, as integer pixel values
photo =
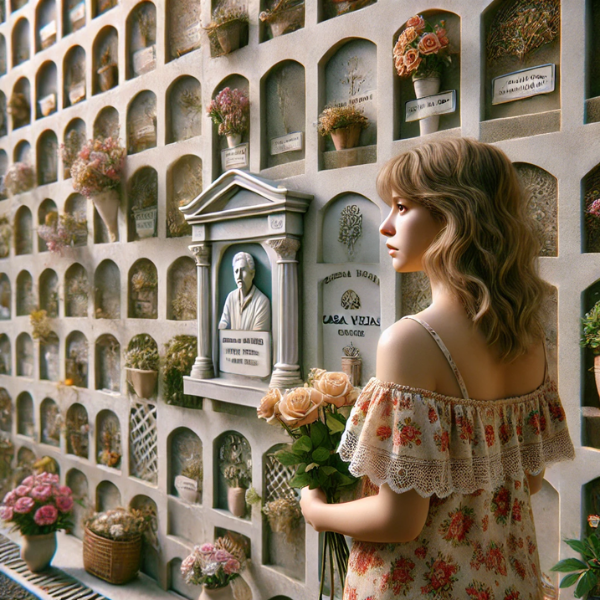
(115, 562)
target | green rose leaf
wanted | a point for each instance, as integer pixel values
(302, 445)
(569, 580)
(334, 425)
(288, 458)
(320, 455)
(328, 470)
(300, 481)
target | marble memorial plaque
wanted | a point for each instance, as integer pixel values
(77, 92)
(287, 143)
(144, 60)
(430, 106)
(245, 352)
(47, 32)
(186, 483)
(523, 84)
(235, 158)
(77, 14)
(188, 38)
(145, 221)
(47, 104)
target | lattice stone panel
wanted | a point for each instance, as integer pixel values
(277, 477)
(143, 441)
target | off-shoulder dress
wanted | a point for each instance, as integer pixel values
(470, 457)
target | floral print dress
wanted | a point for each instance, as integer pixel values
(470, 457)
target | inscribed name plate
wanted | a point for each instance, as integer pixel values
(188, 38)
(431, 106)
(287, 143)
(47, 31)
(186, 483)
(77, 93)
(144, 222)
(523, 84)
(245, 352)
(144, 60)
(235, 158)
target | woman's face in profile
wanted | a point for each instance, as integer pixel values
(410, 229)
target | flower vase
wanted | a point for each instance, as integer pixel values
(229, 36)
(233, 139)
(222, 593)
(142, 381)
(107, 205)
(236, 501)
(346, 137)
(427, 86)
(38, 551)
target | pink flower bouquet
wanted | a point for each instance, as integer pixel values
(230, 110)
(38, 506)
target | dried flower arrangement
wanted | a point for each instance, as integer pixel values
(142, 353)
(18, 107)
(74, 141)
(52, 425)
(336, 8)
(5, 236)
(522, 26)
(144, 278)
(146, 22)
(77, 363)
(185, 301)
(235, 462)
(5, 410)
(42, 328)
(230, 110)
(180, 355)
(121, 524)
(19, 178)
(62, 232)
(106, 58)
(77, 432)
(284, 515)
(111, 452)
(144, 189)
(288, 12)
(422, 49)
(189, 186)
(193, 469)
(337, 117)
(77, 292)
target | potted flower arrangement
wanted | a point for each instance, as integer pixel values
(235, 467)
(66, 231)
(96, 174)
(19, 178)
(108, 72)
(5, 236)
(141, 364)
(40, 325)
(421, 52)
(144, 194)
(284, 515)
(230, 111)
(591, 338)
(214, 567)
(228, 29)
(343, 124)
(189, 483)
(180, 355)
(38, 508)
(112, 544)
(285, 16)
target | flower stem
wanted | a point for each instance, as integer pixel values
(323, 561)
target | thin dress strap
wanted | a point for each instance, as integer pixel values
(438, 340)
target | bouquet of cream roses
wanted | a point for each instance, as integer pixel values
(315, 417)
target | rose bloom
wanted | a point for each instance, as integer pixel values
(268, 408)
(400, 67)
(441, 34)
(231, 566)
(64, 503)
(41, 493)
(429, 44)
(6, 513)
(46, 515)
(24, 505)
(300, 406)
(10, 498)
(336, 388)
(28, 480)
(64, 490)
(412, 60)
(208, 547)
(22, 490)
(417, 23)
(222, 556)
(408, 36)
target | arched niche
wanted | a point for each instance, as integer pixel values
(48, 288)
(5, 297)
(73, 16)
(47, 158)
(23, 231)
(108, 439)
(49, 361)
(3, 57)
(141, 39)
(105, 57)
(79, 485)
(45, 24)
(350, 70)
(106, 123)
(25, 415)
(77, 427)
(22, 152)
(143, 290)
(589, 398)
(511, 46)
(590, 504)
(74, 76)
(337, 8)
(184, 113)
(276, 18)
(142, 201)
(46, 86)
(184, 183)
(5, 355)
(591, 210)
(108, 363)
(50, 422)
(186, 468)
(182, 290)
(15, 5)
(232, 450)
(3, 113)
(19, 105)
(284, 95)
(150, 558)
(25, 298)
(6, 410)
(284, 550)
(74, 139)
(76, 206)
(3, 196)
(184, 29)
(99, 7)
(404, 87)
(77, 291)
(108, 496)
(21, 43)
(25, 460)
(76, 359)
(141, 122)
(107, 285)
(47, 207)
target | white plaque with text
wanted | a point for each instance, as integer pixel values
(48, 31)
(186, 483)
(523, 84)
(431, 106)
(245, 352)
(235, 158)
(77, 92)
(287, 143)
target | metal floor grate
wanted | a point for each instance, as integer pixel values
(53, 584)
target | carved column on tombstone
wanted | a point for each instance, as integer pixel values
(203, 367)
(286, 373)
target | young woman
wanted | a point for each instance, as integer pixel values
(453, 436)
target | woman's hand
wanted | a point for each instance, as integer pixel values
(309, 500)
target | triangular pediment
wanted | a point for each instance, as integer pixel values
(238, 194)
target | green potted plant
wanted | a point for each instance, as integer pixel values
(180, 355)
(590, 337)
(343, 124)
(141, 363)
(284, 16)
(144, 195)
(230, 110)
(228, 29)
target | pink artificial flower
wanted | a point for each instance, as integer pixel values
(6, 513)
(24, 505)
(231, 566)
(222, 556)
(64, 490)
(208, 547)
(10, 498)
(22, 490)
(64, 503)
(594, 208)
(28, 480)
(41, 493)
(46, 515)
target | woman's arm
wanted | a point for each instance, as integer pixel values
(535, 482)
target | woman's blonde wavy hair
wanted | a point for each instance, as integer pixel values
(487, 252)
